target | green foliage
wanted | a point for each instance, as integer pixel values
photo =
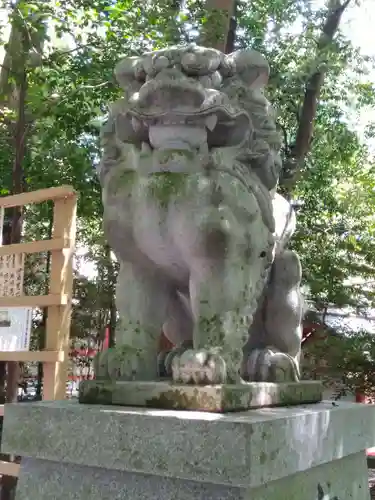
(68, 94)
(348, 359)
(336, 228)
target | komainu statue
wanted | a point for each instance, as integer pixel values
(189, 175)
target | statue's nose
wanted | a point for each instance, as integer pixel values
(170, 95)
(177, 137)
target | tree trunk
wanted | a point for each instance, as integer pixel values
(232, 30)
(13, 92)
(13, 368)
(220, 14)
(20, 150)
(294, 162)
(5, 92)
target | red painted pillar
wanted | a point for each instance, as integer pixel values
(359, 397)
(164, 344)
(106, 339)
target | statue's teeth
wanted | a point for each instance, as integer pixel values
(136, 124)
(145, 148)
(173, 122)
(211, 122)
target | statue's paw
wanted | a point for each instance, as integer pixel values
(125, 363)
(198, 367)
(269, 365)
(165, 359)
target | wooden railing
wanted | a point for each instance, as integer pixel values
(58, 302)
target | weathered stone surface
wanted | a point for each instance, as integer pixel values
(246, 450)
(189, 173)
(220, 398)
(45, 480)
(343, 479)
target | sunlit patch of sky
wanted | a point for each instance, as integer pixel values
(357, 25)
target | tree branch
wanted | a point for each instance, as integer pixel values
(215, 32)
(285, 135)
(294, 163)
(232, 30)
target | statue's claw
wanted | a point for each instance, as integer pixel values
(199, 367)
(269, 365)
(165, 359)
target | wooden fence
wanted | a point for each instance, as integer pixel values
(61, 246)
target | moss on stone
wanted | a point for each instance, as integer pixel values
(262, 458)
(218, 398)
(164, 186)
(95, 392)
(121, 179)
(233, 399)
(179, 400)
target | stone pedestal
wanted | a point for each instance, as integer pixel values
(214, 398)
(74, 451)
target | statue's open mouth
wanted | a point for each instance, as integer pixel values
(173, 144)
(136, 128)
(184, 112)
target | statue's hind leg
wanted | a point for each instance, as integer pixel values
(273, 350)
(142, 298)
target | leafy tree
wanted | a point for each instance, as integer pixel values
(345, 361)
(94, 307)
(315, 73)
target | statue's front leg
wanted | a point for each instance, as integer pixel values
(273, 350)
(142, 298)
(217, 290)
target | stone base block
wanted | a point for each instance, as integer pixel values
(345, 479)
(92, 452)
(211, 398)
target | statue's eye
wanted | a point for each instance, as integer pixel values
(262, 254)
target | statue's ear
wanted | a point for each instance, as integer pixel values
(256, 78)
(251, 67)
(129, 70)
(125, 131)
(229, 132)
